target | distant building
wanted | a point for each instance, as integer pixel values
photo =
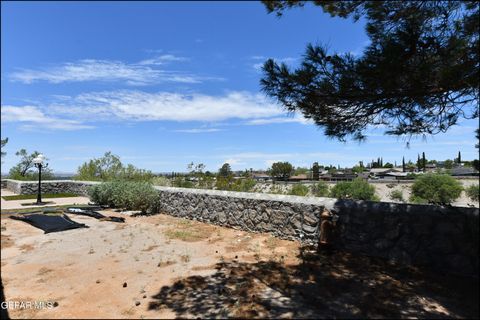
(261, 176)
(299, 177)
(463, 171)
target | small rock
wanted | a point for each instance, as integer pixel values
(144, 296)
(98, 281)
(137, 303)
(124, 284)
(55, 304)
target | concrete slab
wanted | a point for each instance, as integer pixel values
(17, 204)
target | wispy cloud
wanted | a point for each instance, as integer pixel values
(257, 65)
(162, 59)
(143, 106)
(198, 130)
(33, 118)
(278, 120)
(131, 106)
(143, 73)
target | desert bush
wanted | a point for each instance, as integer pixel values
(230, 184)
(358, 189)
(320, 189)
(161, 181)
(127, 195)
(109, 168)
(299, 190)
(435, 188)
(396, 195)
(181, 182)
(473, 192)
(276, 190)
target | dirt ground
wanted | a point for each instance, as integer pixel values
(165, 267)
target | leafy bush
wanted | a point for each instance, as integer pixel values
(473, 192)
(230, 184)
(109, 168)
(161, 181)
(128, 195)
(180, 182)
(320, 189)
(358, 189)
(396, 195)
(299, 190)
(435, 188)
(276, 190)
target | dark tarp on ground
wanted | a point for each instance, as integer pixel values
(93, 214)
(49, 223)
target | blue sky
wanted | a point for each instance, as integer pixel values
(162, 84)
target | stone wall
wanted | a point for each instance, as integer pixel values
(49, 186)
(442, 238)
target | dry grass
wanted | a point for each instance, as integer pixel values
(189, 231)
(6, 241)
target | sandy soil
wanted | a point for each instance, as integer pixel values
(165, 267)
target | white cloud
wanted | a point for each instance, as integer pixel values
(295, 119)
(131, 106)
(198, 130)
(143, 106)
(258, 65)
(142, 73)
(33, 118)
(162, 59)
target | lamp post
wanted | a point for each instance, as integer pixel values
(38, 161)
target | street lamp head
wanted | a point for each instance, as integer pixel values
(39, 159)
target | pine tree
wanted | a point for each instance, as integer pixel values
(424, 161)
(315, 171)
(403, 164)
(418, 75)
(459, 158)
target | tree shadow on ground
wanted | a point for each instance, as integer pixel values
(322, 286)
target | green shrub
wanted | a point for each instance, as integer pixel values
(358, 189)
(473, 192)
(180, 182)
(396, 195)
(230, 184)
(320, 189)
(299, 190)
(109, 168)
(244, 185)
(435, 188)
(127, 195)
(276, 190)
(161, 181)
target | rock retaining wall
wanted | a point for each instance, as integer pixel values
(442, 238)
(48, 186)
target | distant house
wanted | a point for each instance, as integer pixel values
(380, 173)
(463, 171)
(430, 167)
(338, 177)
(299, 177)
(261, 176)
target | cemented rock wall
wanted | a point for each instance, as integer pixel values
(49, 186)
(442, 238)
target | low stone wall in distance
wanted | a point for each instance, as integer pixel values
(442, 238)
(48, 186)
